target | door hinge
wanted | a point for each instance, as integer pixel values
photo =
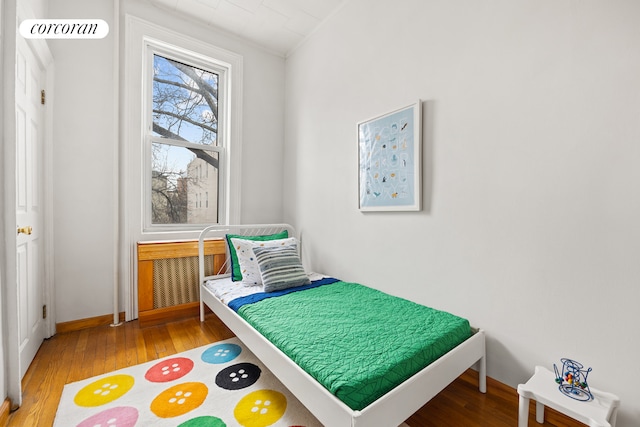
(42, 97)
(44, 311)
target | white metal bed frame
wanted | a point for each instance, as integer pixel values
(392, 409)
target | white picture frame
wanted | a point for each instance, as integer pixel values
(389, 160)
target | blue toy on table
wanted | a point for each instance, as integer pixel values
(573, 380)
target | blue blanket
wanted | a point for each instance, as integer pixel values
(250, 299)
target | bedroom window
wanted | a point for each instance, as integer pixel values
(185, 149)
(187, 138)
(182, 121)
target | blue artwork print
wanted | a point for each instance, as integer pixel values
(388, 164)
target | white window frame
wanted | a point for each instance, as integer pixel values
(142, 40)
(222, 69)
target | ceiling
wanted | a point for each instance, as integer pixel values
(278, 25)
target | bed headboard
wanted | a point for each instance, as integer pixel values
(220, 231)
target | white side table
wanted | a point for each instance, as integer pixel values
(541, 387)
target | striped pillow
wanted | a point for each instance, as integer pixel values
(249, 268)
(280, 267)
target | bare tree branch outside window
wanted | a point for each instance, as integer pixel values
(185, 109)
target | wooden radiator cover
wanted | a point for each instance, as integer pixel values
(168, 278)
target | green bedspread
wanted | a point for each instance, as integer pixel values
(357, 342)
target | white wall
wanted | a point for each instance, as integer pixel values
(85, 129)
(83, 166)
(531, 201)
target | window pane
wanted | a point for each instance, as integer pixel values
(184, 185)
(185, 102)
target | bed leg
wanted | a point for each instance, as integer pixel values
(201, 312)
(482, 374)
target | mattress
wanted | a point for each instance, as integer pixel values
(226, 290)
(359, 343)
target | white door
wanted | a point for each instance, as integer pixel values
(30, 81)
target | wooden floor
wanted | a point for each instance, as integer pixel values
(74, 356)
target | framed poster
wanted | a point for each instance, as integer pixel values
(389, 152)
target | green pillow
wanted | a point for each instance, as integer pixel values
(236, 274)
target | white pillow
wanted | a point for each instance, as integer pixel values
(247, 259)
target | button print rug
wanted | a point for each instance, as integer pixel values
(217, 385)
